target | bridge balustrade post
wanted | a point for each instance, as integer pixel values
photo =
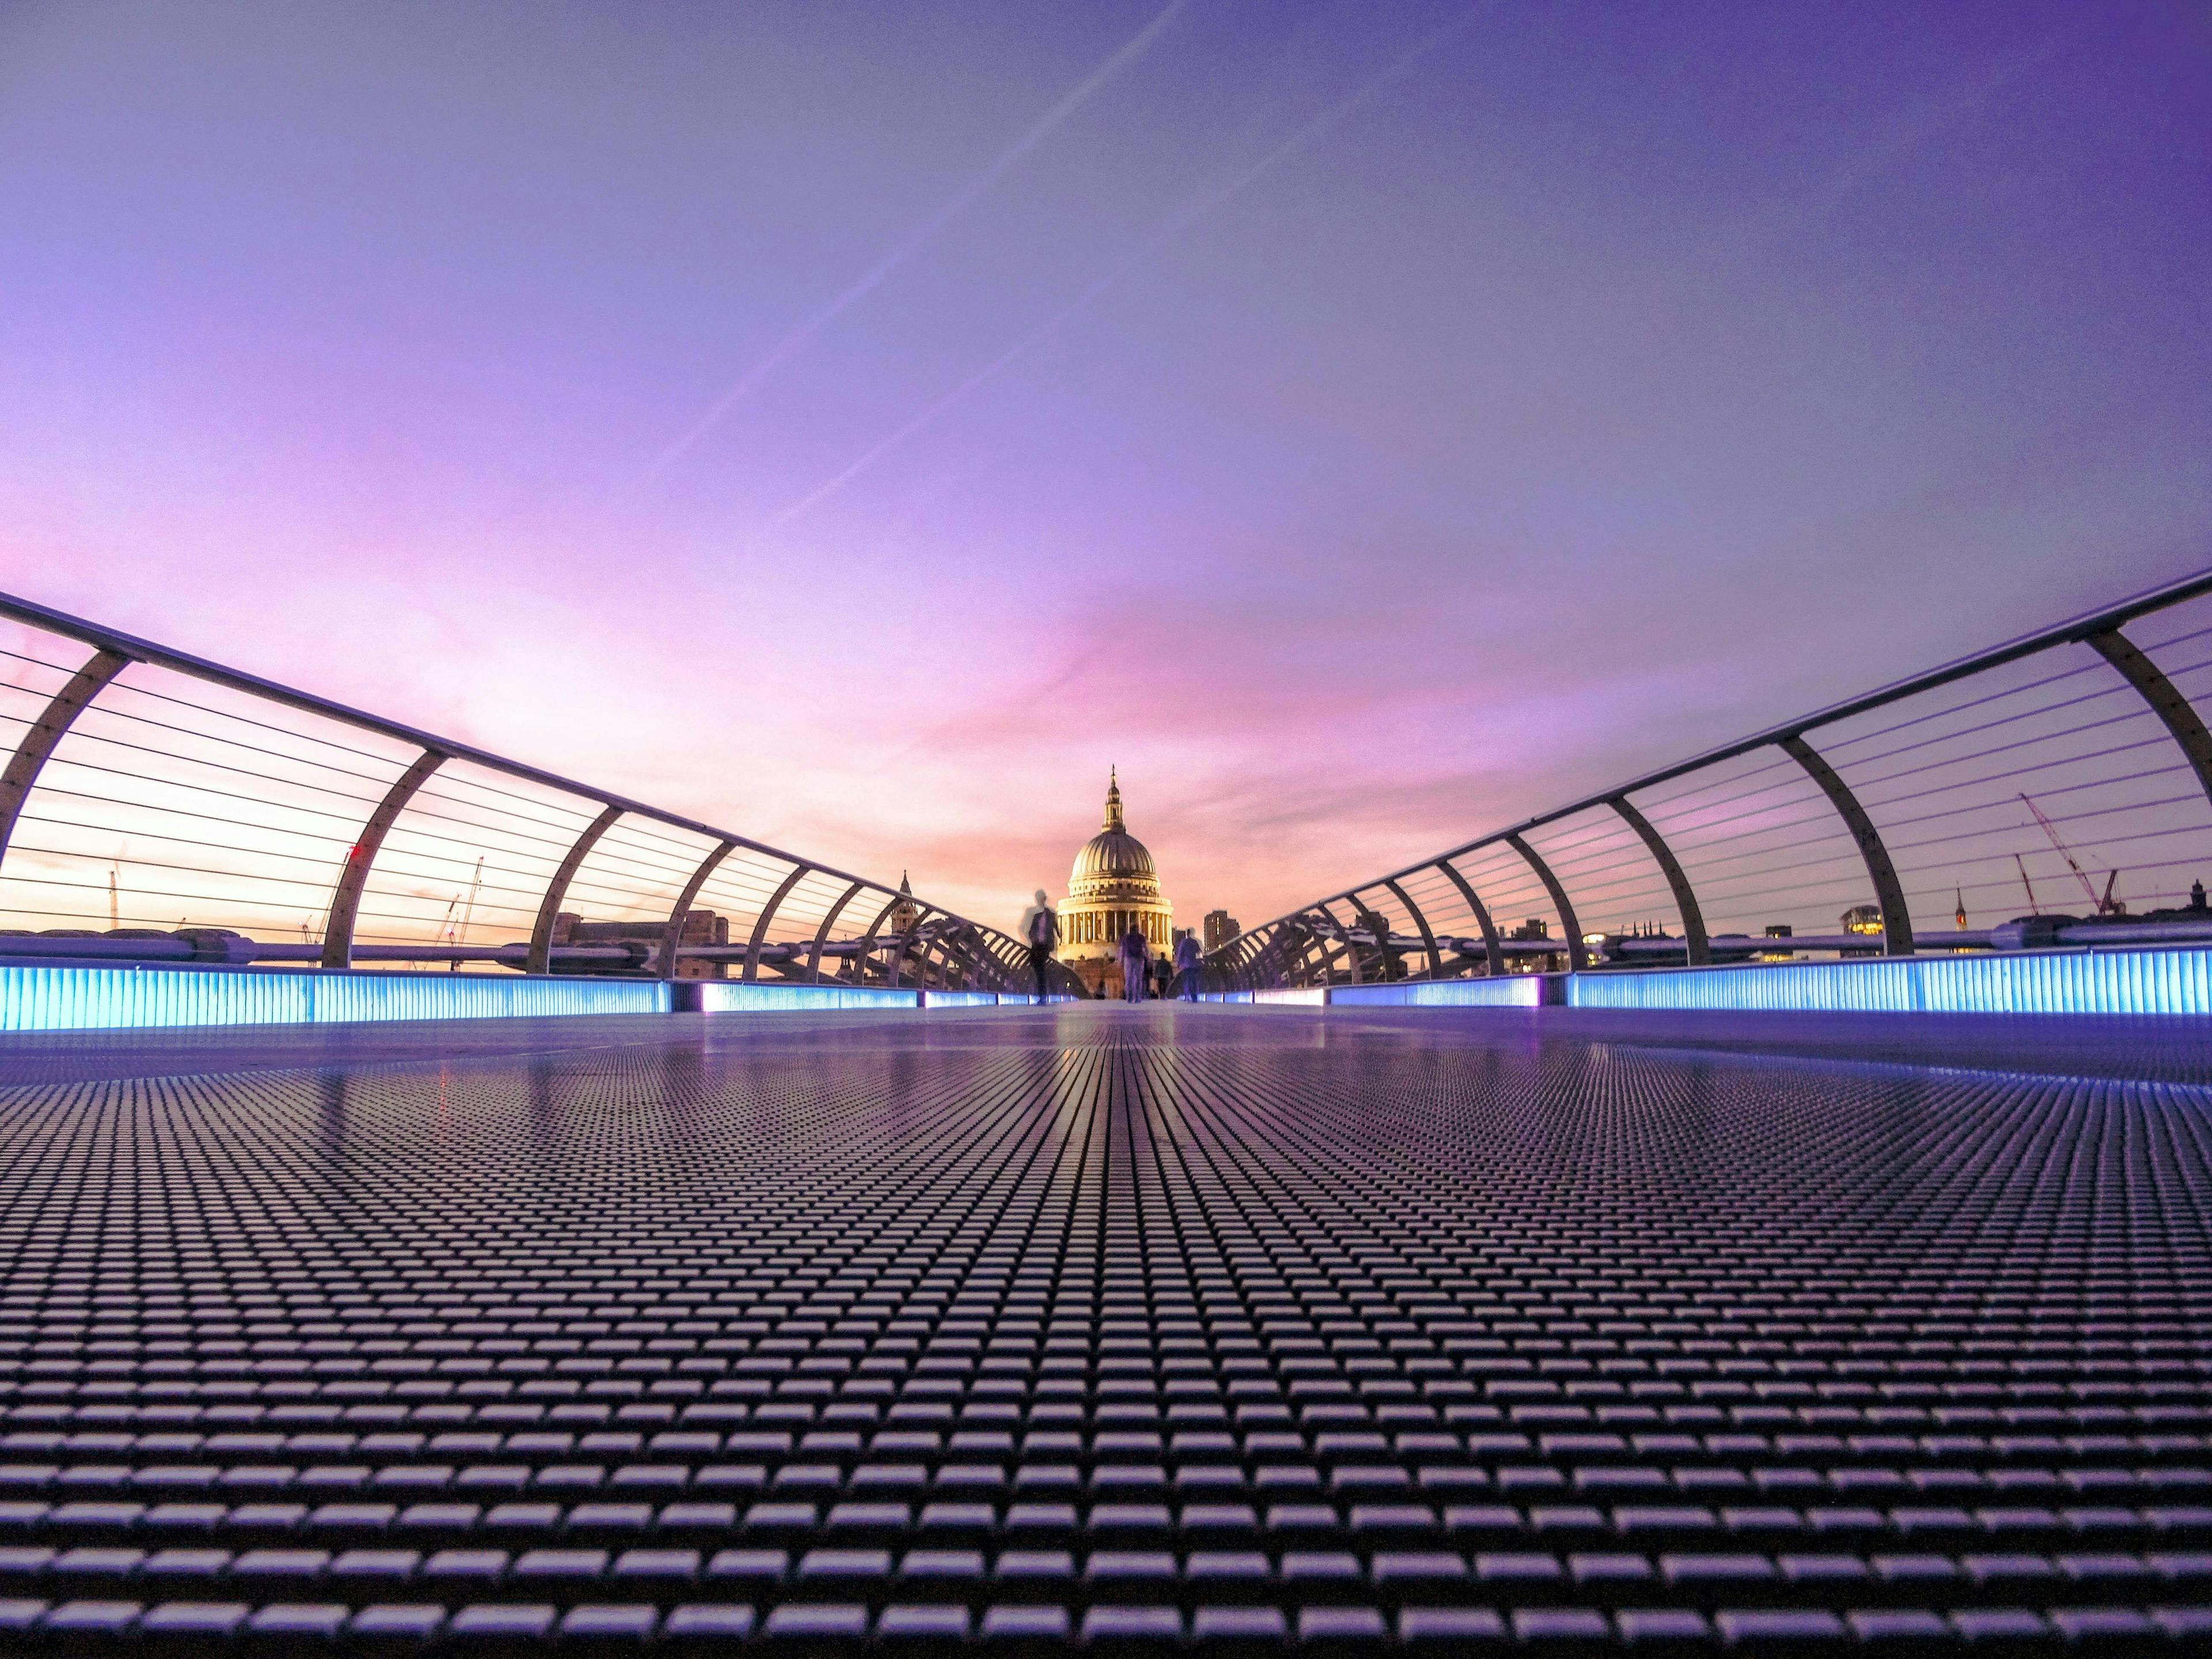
(1428, 938)
(905, 943)
(954, 966)
(1492, 950)
(1578, 952)
(540, 957)
(767, 915)
(860, 961)
(967, 958)
(1388, 965)
(45, 735)
(353, 879)
(1341, 941)
(2173, 710)
(1011, 959)
(1293, 953)
(936, 953)
(1888, 892)
(1696, 947)
(673, 935)
(822, 933)
(1326, 944)
(1342, 933)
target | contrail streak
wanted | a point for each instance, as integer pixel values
(1176, 223)
(795, 341)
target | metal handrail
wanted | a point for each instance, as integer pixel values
(1257, 955)
(114, 649)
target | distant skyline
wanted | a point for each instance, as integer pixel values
(861, 428)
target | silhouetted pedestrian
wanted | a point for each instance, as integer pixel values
(1040, 933)
(1136, 961)
(1186, 960)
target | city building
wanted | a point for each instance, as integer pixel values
(1220, 928)
(1535, 928)
(700, 927)
(1112, 887)
(904, 914)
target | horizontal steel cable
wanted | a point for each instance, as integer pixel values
(383, 780)
(78, 734)
(2020, 772)
(2121, 840)
(2136, 716)
(1836, 744)
(2122, 691)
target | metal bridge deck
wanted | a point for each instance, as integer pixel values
(1234, 1327)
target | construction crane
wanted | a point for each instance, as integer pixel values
(457, 933)
(2106, 905)
(469, 910)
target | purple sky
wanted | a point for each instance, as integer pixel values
(861, 425)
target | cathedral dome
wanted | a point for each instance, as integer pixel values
(1114, 858)
(1113, 886)
(1112, 855)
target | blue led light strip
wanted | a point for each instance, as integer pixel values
(39, 999)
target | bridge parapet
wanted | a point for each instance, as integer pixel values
(157, 807)
(2054, 790)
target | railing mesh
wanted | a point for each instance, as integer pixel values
(2059, 777)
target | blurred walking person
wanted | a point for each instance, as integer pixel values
(1186, 961)
(1136, 961)
(1040, 931)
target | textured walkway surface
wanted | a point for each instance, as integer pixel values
(1224, 1327)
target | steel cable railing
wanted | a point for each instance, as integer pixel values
(2035, 792)
(154, 807)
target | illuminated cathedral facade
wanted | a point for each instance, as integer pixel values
(1112, 887)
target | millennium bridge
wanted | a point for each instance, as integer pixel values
(1760, 1207)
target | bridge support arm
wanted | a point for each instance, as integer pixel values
(1428, 937)
(767, 915)
(1698, 948)
(1342, 934)
(1888, 892)
(2181, 720)
(540, 959)
(345, 902)
(663, 966)
(960, 958)
(859, 961)
(1491, 948)
(822, 933)
(46, 732)
(1245, 957)
(904, 943)
(1578, 952)
(1388, 965)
